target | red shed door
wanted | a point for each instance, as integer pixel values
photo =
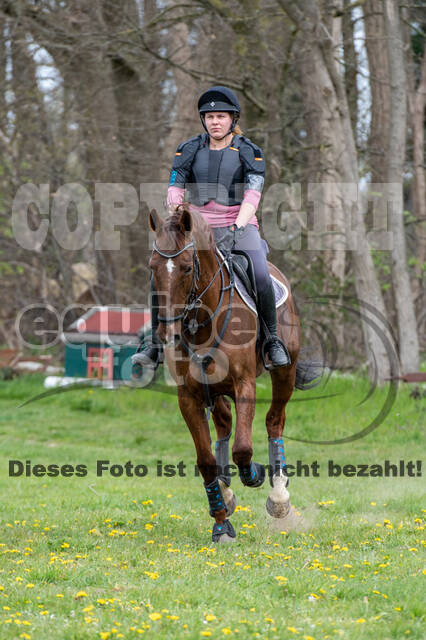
(100, 363)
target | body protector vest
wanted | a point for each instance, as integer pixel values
(220, 175)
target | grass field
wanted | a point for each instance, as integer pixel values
(125, 557)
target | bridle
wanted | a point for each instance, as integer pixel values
(193, 302)
(189, 305)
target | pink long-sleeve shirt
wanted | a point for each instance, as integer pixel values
(217, 215)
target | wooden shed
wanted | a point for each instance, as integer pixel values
(100, 343)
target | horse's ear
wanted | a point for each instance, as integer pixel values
(155, 221)
(186, 221)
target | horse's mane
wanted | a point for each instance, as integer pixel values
(201, 230)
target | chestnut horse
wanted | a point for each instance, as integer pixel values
(212, 349)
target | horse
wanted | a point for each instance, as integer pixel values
(213, 352)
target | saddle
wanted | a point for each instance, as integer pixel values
(245, 282)
(243, 267)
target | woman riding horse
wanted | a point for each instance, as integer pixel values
(223, 173)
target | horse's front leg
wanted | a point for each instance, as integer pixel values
(195, 418)
(252, 474)
(222, 418)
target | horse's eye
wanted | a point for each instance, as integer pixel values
(188, 270)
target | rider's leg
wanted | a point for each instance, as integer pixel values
(251, 242)
(151, 352)
(267, 310)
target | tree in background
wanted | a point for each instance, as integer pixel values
(124, 78)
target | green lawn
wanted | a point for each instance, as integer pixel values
(125, 557)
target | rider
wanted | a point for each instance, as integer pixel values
(223, 174)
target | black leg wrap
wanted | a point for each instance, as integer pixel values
(222, 459)
(253, 475)
(215, 498)
(220, 529)
(276, 458)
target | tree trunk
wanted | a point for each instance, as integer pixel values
(351, 65)
(185, 122)
(417, 102)
(331, 124)
(407, 326)
(375, 39)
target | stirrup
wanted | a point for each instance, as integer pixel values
(144, 360)
(270, 340)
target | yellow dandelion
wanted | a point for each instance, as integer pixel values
(155, 616)
(292, 629)
(29, 585)
(152, 574)
(104, 635)
(205, 633)
(226, 631)
(210, 617)
(81, 594)
(360, 620)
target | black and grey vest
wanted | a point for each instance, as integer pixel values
(218, 175)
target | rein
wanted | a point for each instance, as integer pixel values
(193, 300)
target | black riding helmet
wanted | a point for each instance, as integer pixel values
(219, 99)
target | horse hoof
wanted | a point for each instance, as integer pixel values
(223, 532)
(229, 497)
(277, 509)
(224, 539)
(253, 475)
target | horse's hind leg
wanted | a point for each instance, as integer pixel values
(222, 418)
(278, 503)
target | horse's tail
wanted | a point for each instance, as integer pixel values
(308, 374)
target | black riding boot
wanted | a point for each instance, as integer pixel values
(278, 355)
(152, 351)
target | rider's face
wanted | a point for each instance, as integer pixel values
(218, 123)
